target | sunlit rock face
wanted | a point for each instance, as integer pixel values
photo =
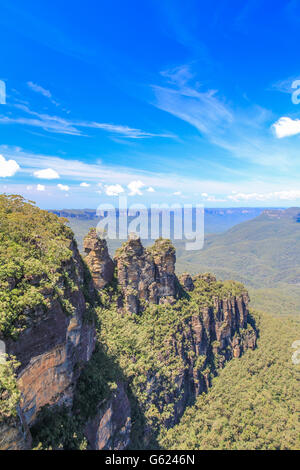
(146, 275)
(98, 259)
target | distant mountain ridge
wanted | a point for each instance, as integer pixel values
(262, 251)
(216, 219)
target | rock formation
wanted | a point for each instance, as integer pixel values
(146, 275)
(98, 259)
(187, 282)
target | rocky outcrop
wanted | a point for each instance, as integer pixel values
(111, 427)
(186, 281)
(146, 275)
(98, 259)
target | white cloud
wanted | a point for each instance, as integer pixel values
(8, 167)
(286, 127)
(85, 185)
(113, 189)
(135, 188)
(39, 89)
(47, 174)
(150, 190)
(288, 195)
(63, 187)
(40, 187)
(29, 188)
(212, 198)
(177, 193)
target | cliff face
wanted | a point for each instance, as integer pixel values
(214, 335)
(200, 345)
(53, 347)
(110, 428)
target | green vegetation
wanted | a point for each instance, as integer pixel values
(254, 402)
(283, 300)
(57, 428)
(33, 246)
(96, 382)
(9, 392)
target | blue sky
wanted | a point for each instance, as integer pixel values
(163, 101)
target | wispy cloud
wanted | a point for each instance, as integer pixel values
(42, 91)
(289, 195)
(244, 133)
(59, 125)
(39, 89)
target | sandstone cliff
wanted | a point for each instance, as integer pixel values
(146, 275)
(98, 259)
